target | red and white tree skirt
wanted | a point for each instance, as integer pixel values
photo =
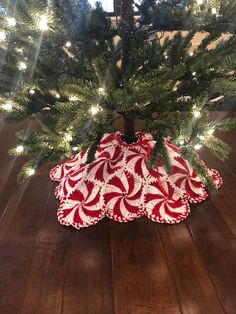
(119, 184)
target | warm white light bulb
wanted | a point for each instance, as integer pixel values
(73, 98)
(32, 91)
(2, 36)
(213, 11)
(11, 21)
(196, 114)
(194, 73)
(201, 137)
(75, 148)
(57, 95)
(19, 149)
(43, 23)
(200, 2)
(7, 107)
(211, 131)
(191, 53)
(20, 50)
(22, 66)
(197, 146)
(31, 172)
(94, 110)
(181, 142)
(68, 44)
(101, 90)
(68, 137)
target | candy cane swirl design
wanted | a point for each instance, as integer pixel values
(216, 177)
(69, 183)
(108, 141)
(108, 162)
(59, 172)
(122, 197)
(185, 179)
(136, 163)
(164, 205)
(83, 208)
(120, 185)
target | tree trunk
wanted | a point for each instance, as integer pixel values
(127, 17)
(127, 13)
(129, 133)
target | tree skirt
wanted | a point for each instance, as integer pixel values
(119, 184)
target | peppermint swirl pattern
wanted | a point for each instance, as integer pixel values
(119, 184)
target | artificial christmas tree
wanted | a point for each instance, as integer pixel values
(78, 73)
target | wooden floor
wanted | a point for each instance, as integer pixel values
(133, 268)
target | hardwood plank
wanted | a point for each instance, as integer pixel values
(195, 289)
(142, 283)
(8, 181)
(212, 162)
(88, 280)
(231, 162)
(45, 284)
(224, 200)
(15, 261)
(19, 229)
(8, 139)
(217, 246)
(10, 166)
(22, 217)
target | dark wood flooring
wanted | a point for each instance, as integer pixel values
(134, 268)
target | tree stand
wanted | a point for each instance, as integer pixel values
(119, 184)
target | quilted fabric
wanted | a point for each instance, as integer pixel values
(119, 184)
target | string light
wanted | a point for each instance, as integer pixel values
(194, 73)
(181, 142)
(196, 114)
(57, 95)
(19, 149)
(31, 171)
(2, 36)
(94, 110)
(101, 90)
(20, 50)
(201, 137)
(75, 148)
(22, 66)
(73, 98)
(32, 91)
(68, 44)
(191, 53)
(68, 137)
(199, 2)
(7, 107)
(197, 146)
(11, 21)
(43, 23)
(211, 131)
(213, 11)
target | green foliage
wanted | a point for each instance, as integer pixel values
(85, 70)
(226, 124)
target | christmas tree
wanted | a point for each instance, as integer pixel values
(77, 72)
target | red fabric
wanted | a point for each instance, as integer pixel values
(119, 184)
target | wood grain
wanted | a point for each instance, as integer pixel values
(142, 282)
(88, 273)
(196, 291)
(112, 268)
(217, 246)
